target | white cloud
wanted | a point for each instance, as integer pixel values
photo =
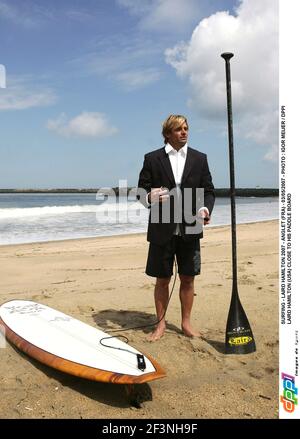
(164, 15)
(22, 93)
(33, 15)
(137, 7)
(128, 62)
(171, 15)
(79, 15)
(134, 79)
(86, 124)
(2, 76)
(252, 35)
(23, 14)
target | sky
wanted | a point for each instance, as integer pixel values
(89, 84)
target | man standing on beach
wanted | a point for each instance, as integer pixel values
(180, 171)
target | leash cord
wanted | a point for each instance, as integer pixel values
(139, 327)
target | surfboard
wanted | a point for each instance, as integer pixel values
(72, 346)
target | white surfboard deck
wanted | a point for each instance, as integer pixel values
(70, 339)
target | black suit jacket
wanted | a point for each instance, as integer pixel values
(157, 172)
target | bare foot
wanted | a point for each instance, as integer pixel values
(189, 331)
(157, 333)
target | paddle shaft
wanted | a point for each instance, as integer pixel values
(239, 337)
(227, 57)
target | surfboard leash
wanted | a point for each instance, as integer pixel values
(140, 358)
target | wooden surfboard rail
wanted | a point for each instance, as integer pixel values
(77, 369)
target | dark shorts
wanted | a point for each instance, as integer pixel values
(161, 258)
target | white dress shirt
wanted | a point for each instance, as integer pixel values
(177, 160)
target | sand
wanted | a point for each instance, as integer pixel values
(102, 282)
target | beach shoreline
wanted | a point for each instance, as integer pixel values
(211, 226)
(102, 281)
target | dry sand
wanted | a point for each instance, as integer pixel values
(102, 282)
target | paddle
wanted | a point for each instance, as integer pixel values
(239, 338)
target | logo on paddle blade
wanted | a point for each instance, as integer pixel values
(239, 340)
(238, 329)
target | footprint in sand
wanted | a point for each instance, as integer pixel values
(255, 375)
(270, 370)
(146, 287)
(203, 348)
(85, 308)
(246, 281)
(272, 344)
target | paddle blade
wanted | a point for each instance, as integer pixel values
(239, 337)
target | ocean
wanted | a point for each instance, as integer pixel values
(26, 218)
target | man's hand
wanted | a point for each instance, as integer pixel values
(203, 213)
(158, 195)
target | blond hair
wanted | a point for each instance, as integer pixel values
(172, 122)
